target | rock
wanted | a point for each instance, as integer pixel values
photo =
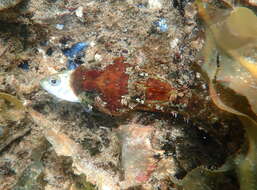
(5, 4)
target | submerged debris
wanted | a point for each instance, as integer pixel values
(75, 49)
(162, 25)
(137, 154)
(74, 53)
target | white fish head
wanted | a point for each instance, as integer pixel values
(59, 85)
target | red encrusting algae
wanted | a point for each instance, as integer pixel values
(157, 90)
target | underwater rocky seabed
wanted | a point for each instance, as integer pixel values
(206, 50)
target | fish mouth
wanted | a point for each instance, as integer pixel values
(41, 83)
(44, 86)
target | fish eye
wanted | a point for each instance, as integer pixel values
(54, 81)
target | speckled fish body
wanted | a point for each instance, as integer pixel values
(114, 90)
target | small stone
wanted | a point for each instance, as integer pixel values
(59, 26)
(155, 4)
(98, 57)
(79, 12)
(174, 43)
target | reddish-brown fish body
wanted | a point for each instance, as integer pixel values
(111, 89)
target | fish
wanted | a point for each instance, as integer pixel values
(114, 90)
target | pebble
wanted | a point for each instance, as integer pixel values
(59, 26)
(174, 43)
(79, 12)
(155, 4)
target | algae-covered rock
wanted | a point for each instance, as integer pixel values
(82, 184)
(30, 178)
(12, 119)
(5, 4)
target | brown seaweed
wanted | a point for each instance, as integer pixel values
(231, 65)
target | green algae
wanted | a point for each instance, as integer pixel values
(12, 99)
(82, 184)
(11, 108)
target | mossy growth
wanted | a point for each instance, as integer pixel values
(82, 184)
(11, 109)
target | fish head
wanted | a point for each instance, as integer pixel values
(59, 85)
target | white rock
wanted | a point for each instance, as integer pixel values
(98, 57)
(155, 4)
(174, 43)
(59, 26)
(79, 12)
